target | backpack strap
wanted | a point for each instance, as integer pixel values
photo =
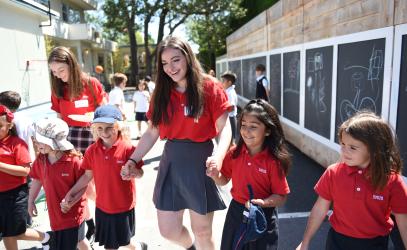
(251, 194)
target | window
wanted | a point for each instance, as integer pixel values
(70, 15)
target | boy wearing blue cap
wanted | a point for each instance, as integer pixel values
(115, 200)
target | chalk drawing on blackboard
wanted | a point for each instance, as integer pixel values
(293, 75)
(316, 82)
(359, 82)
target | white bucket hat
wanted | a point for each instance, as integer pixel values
(53, 132)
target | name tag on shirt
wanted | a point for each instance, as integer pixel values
(81, 103)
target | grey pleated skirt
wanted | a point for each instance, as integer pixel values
(182, 182)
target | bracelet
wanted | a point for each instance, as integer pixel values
(135, 162)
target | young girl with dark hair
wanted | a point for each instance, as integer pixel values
(365, 187)
(260, 159)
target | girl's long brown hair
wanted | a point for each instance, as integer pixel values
(377, 135)
(274, 142)
(75, 86)
(164, 83)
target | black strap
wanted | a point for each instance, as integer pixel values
(250, 191)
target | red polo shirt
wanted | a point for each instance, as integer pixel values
(358, 210)
(80, 105)
(260, 170)
(198, 130)
(13, 151)
(113, 194)
(57, 179)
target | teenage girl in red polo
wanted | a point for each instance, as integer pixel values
(75, 93)
(260, 159)
(189, 109)
(56, 169)
(365, 187)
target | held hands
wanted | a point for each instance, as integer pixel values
(32, 209)
(67, 203)
(130, 171)
(212, 168)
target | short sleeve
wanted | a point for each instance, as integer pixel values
(279, 184)
(22, 154)
(227, 165)
(134, 97)
(323, 186)
(115, 97)
(398, 196)
(87, 160)
(99, 92)
(217, 100)
(55, 103)
(78, 171)
(265, 83)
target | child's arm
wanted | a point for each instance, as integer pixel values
(146, 142)
(213, 172)
(76, 192)
(401, 220)
(224, 138)
(34, 190)
(315, 220)
(15, 170)
(274, 200)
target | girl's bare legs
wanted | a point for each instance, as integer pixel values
(139, 128)
(30, 234)
(84, 245)
(171, 227)
(202, 229)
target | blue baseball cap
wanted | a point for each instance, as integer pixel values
(107, 114)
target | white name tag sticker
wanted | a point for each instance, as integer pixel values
(81, 104)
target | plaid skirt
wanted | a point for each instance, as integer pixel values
(80, 137)
(182, 182)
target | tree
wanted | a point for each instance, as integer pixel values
(253, 7)
(120, 18)
(171, 13)
(209, 28)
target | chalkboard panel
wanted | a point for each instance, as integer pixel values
(275, 81)
(360, 78)
(318, 90)
(291, 86)
(235, 67)
(401, 125)
(249, 75)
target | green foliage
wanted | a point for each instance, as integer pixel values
(253, 7)
(49, 44)
(210, 28)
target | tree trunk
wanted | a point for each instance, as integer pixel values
(147, 47)
(133, 51)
